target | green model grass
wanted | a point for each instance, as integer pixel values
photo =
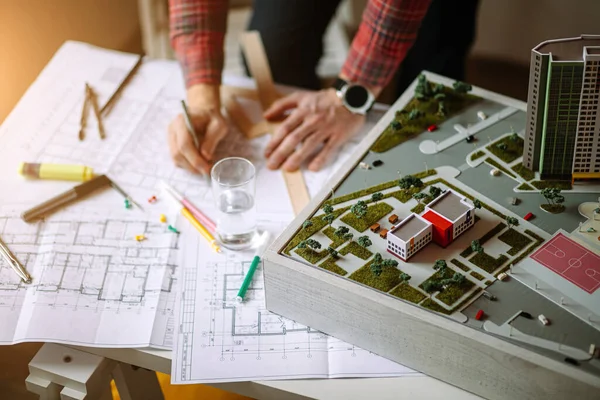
(374, 213)
(336, 241)
(562, 185)
(514, 148)
(516, 240)
(477, 154)
(487, 236)
(305, 233)
(408, 293)
(453, 292)
(488, 263)
(523, 172)
(390, 277)
(311, 255)
(454, 103)
(357, 250)
(330, 265)
(477, 276)
(460, 265)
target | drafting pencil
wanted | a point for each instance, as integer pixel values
(207, 222)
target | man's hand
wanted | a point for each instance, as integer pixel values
(205, 114)
(318, 120)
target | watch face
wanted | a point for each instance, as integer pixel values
(356, 96)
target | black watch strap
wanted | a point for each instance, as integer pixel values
(339, 84)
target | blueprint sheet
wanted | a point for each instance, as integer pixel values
(219, 340)
(93, 284)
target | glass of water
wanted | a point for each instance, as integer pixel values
(234, 185)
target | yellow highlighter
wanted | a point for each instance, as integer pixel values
(203, 231)
(61, 172)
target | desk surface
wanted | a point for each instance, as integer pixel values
(412, 387)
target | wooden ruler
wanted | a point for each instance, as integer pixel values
(258, 65)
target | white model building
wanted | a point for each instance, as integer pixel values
(443, 220)
(409, 236)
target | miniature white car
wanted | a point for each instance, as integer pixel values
(364, 165)
(543, 319)
(481, 115)
(502, 276)
(494, 172)
(488, 295)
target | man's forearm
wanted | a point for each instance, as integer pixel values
(197, 31)
(387, 31)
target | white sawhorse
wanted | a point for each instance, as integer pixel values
(59, 372)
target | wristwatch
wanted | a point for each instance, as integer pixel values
(356, 98)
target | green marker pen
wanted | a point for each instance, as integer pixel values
(262, 244)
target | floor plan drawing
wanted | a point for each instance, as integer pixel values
(88, 265)
(243, 339)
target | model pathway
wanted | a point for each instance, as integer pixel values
(431, 147)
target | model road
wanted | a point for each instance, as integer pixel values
(513, 296)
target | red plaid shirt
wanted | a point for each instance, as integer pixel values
(386, 33)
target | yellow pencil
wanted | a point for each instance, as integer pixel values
(203, 231)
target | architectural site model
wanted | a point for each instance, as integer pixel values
(463, 237)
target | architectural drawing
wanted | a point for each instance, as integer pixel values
(245, 339)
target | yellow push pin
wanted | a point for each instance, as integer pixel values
(163, 218)
(139, 238)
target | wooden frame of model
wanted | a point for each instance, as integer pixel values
(428, 342)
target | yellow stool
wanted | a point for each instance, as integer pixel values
(184, 392)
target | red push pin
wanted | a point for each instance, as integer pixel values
(152, 199)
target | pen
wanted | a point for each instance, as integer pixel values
(263, 242)
(207, 222)
(14, 263)
(188, 124)
(203, 231)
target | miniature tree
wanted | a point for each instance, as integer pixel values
(434, 191)
(302, 244)
(364, 241)
(395, 125)
(418, 183)
(307, 224)
(430, 286)
(423, 88)
(441, 109)
(333, 252)
(514, 137)
(440, 265)
(314, 244)
(404, 277)
(502, 146)
(327, 208)
(596, 212)
(414, 114)
(440, 97)
(477, 204)
(458, 278)
(476, 246)
(554, 199)
(348, 236)
(438, 89)
(419, 196)
(329, 218)
(389, 263)
(341, 231)
(511, 221)
(376, 265)
(461, 87)
(375, 197)
(359, 209)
